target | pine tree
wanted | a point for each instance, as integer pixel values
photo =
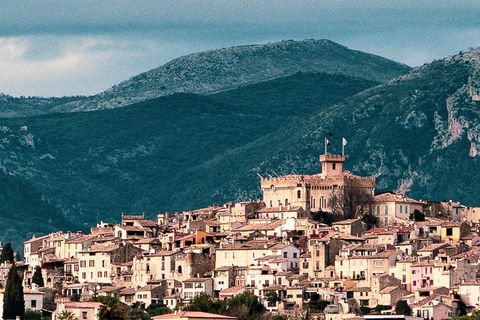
(13, 301)
(37, 277)
(7, 253)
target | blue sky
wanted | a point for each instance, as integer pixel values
(55, 48)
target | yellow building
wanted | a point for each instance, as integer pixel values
(312, 192)
(453, 231)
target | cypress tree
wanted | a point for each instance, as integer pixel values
(13, 301)
(7, 253)
(37, 277)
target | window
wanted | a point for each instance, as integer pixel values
(103, 263)
(401, 207)
(99, 274)
(84, 275)
(84, 314)
(299, 194)
(188, 285)
(91, 263)
(105, 274)
(295, 255)
(285, 254)
(271, 203)
(449, 232)
(414, 283)
(33, 304)
(386, 210)
(378, 263)
(333, 166)
(378, 210)
(312, 202)
(286, 202)
(83, 263)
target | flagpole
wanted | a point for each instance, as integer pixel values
(325, 146)
(343, 147)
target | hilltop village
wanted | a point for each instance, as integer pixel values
(374, 253)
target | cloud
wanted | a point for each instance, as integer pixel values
(84, 47)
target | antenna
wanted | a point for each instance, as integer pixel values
(258, 174)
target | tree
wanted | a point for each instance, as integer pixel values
(33, 314)
(417, 216)
(402, 307)
(350, 202)
(245, 307)
(156, 309)
(316, 304)
(65, 315)
(115, 312)
(13, 301)
(370, 220)
(205, 303)
(7, 253)
(37, 277)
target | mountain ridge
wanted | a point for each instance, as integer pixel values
(224, 69)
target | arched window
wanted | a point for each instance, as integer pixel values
(299, 194)
(179, 269)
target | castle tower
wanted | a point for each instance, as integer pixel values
(332, 164)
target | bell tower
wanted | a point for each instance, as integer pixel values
(332, 164)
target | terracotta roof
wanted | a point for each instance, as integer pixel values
(82, 304)
(232, 289)
(388, 289)
(192, 315)
(261, 226)
(349, 221)
(101, 248)
(394, 197)
(278, 209)
(197, 280)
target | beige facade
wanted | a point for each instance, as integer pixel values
(390, 208)
(312, 192)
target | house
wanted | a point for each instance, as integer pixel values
(192, 315)
(231, 292)
(81, 309)
(196, 286)
(354, 227)
(172, 301)
(33, 299)
(390, 208)
(432, 308)
(453, 231)
(150, 294)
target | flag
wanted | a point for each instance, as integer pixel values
(330, 133)
(344, 141)
(328, 142)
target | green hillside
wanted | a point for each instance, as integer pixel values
(147, 157)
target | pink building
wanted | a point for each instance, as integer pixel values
(422, 275)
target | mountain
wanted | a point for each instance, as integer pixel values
(94, 165)
(14, 107)
(24, 213)
(225, 69)
(419, 131)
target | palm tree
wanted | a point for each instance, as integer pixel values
(117, 312)
(65, 315)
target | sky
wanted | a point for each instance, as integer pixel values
(82, 47)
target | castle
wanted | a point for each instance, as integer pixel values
(312, 192)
